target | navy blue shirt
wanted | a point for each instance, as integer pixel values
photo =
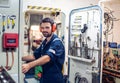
(52, 71)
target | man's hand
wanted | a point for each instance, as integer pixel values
(40, 61)
(25, 68)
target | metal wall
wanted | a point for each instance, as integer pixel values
(9, 8)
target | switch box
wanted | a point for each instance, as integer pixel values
(10, 40)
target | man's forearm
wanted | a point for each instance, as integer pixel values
(42, 60)
(28, 58)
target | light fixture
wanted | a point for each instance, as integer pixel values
(35, 27)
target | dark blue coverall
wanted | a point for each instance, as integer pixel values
(52, 71)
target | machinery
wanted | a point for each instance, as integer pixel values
(9, 36)
(85, 36)
(5, 77)
(94, 44)
(111, 43)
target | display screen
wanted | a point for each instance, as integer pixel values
(11, 40)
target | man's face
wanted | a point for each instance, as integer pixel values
(46, 29)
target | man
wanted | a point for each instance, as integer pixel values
(50, 55)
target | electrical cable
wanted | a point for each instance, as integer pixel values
(12, 59)
(108, 22)
(6, 59)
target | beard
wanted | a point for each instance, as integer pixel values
(46, 34)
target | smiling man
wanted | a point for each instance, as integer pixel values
(50, 55)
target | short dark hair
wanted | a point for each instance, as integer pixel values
(47, 19)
